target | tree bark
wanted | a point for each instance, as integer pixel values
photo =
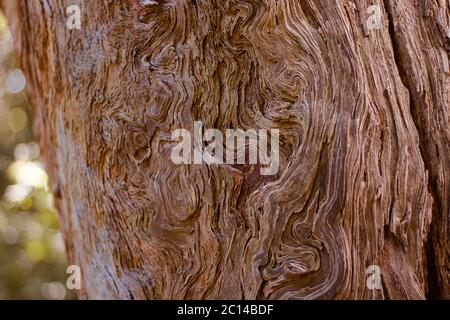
(363, 115)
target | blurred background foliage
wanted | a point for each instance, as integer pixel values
(32, 259)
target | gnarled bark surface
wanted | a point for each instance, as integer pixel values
(363, 116)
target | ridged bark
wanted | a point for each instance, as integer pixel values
(364, 126)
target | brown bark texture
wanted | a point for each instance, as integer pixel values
(363, 116)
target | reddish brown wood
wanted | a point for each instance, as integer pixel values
(364, 122)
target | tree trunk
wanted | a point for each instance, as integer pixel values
(363, 116)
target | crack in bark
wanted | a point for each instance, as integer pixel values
(433, 290)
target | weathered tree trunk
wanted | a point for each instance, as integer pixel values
(364, 124)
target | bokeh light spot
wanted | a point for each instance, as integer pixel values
(15, 81)
(53, 290)
(28, 174)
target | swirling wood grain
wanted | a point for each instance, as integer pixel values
(363, 116)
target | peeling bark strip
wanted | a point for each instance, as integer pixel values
(364, 169)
